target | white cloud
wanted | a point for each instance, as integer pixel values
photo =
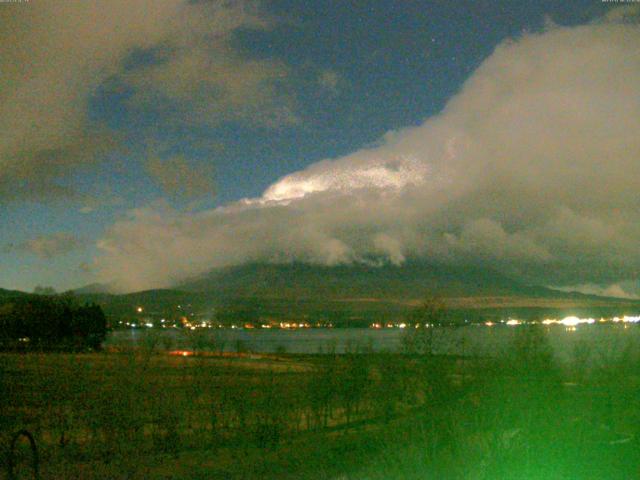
(330, 80)
(531, 168)
(52, 56)
(366, 169)
(50, 245)
(55, 55)
(614, 290)
(623, 13)
(179, 179)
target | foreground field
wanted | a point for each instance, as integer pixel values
(356, 416)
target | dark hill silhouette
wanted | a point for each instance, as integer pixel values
(8, 294)
(351, 294)
(409, 281)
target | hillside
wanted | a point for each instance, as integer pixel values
(7, 294)
(409, 281)
(360, 293)
(353, 294)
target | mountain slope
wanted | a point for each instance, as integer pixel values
(7, 294)
(349, 295)
(410, 281)
(362, 293)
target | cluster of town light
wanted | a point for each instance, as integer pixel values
(573, 321)
(190, 323)
(570, 322)
(378, 326)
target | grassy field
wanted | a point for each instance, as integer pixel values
(142, 414)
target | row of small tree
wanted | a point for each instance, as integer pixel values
(51, 323)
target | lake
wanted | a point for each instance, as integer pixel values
(601, 340)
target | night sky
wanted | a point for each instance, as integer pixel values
(143, 142)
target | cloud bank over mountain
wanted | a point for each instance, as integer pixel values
(532, 168)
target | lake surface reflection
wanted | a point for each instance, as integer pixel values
(602, 341)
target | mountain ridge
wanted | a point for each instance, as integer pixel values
(412, 280)
(348, 294)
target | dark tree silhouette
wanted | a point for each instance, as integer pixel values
(51, 322)
(418, 336)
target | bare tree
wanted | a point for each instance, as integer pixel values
(419, 331)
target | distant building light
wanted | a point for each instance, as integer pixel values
(570, 321)
(182, 353)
